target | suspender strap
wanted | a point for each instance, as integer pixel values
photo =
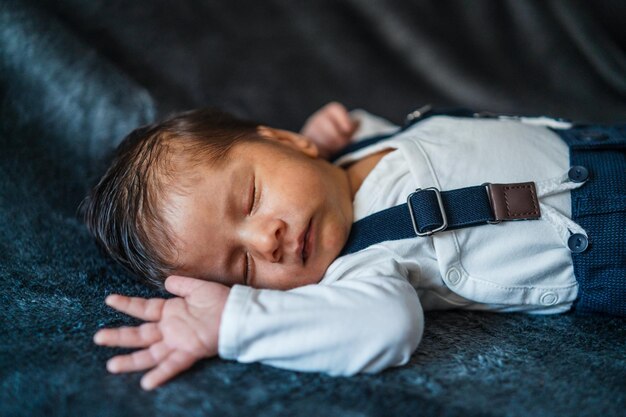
(428, 211)
(412, 118)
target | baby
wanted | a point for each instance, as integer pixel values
(266, 227)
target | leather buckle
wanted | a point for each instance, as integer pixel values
(517, 201)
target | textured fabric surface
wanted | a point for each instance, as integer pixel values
(75, 76)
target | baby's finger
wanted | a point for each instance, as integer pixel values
(136, 361)
(175, 363)
(149, 310)
(140, 360)
(326, 130)
(182, 286)
(130, 337)
(341, 118)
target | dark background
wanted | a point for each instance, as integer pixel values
(278, 61)
(76, 76)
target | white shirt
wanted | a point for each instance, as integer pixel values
(366, 314)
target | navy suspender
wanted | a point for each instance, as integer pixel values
(430, 210)
(418, 115)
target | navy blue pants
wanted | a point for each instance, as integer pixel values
(599, 206)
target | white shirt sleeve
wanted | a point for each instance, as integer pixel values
(370, 125)
(352, 325)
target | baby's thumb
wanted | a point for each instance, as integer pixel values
(355, 125)
(182, 286)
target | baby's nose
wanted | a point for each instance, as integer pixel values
(267, 240)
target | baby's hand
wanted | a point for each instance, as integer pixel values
(330, 128)
(181, 331)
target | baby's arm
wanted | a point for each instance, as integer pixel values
(370, 125)
(361, 324)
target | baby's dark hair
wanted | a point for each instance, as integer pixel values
(122, 210)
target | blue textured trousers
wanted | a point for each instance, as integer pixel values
(599, 206)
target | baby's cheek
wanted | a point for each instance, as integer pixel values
(274, 276)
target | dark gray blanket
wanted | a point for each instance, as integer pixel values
(76, 76)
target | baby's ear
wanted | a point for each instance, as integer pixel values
(292, 139)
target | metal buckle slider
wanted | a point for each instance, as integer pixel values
(444, 226)
(486, 185)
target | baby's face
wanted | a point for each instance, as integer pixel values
(272, 216)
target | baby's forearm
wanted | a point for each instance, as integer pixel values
(341, 329)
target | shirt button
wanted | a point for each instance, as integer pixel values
(453, 276)
(549, 298)
(577, 242)
(594, 136)
(578, 173)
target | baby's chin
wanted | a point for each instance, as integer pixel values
(295, 279)
(315, 275)
(314, 279)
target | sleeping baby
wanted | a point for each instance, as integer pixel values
(277, 255)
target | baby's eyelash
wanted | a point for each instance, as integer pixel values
(253, 200)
